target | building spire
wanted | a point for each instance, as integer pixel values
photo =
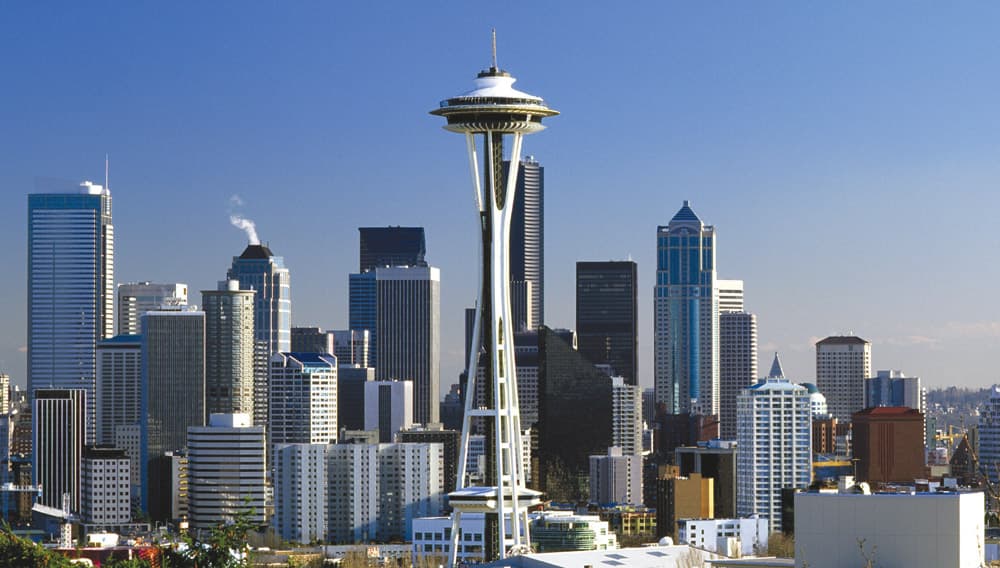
(776, 371)
(494, 34)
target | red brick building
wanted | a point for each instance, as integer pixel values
(889, 444)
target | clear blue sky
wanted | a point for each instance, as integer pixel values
(848, 154)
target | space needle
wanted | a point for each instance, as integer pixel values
(494, 110)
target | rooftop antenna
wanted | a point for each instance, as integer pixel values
(495, 66)
(106, 168)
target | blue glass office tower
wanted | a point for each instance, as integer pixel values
(258, 269)
(686, 367)
(70, 289)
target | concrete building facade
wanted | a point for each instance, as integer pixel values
(842, 365)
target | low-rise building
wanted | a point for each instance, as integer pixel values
(559, 531)
(729, 537)
(836, 530)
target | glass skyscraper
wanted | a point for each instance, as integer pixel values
(607, 315)
(686, 350)
(527, 244)
(70, 289)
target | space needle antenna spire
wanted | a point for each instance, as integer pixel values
(494, 34)
(490, 116)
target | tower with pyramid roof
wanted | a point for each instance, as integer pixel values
(686, 314)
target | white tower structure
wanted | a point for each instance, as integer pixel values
(494, 110)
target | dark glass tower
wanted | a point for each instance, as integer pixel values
(392, 246)
(606, 315)
(527, 240)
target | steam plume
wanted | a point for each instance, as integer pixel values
(241, 222)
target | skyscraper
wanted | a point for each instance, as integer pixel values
(391, 246)
(229, 349)
(260, 270)
(119, 385)
(303, 398)
(774, 437)
(388, 407)
(527, 242)
(173, 388)
(58, 432)
(686, 307)
(70, 289)
(737, 365)
(137, 298)
(312, 340)
(988, 442)
(607, 315)
(894, 388)
(730, 295)
(401, 309)
(842, 365)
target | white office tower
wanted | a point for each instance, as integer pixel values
(737, 364)
(106, 486)
(137, 298)
(842, 365)
(119, 385)
(388, 408)
(730, 295)
(616, 479)
(226, 470)
(686, 316)
(229, 349)
(492, 111)
(303, 398)
(351, 346)
(58, 427)
(989, 435)
(352, 494)
(300, 498)
(70, 289)
(774, 436)
(626, 416)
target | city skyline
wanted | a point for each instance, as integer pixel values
(799, 159)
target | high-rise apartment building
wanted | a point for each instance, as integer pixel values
(58, 430)
(737, 364)
(303, 398)
(527, 243)
(260, 270)
(626, 416)
(300, 492)
(388, 407)
(842, 365)
(382, 247)
(686, 315)
(229, 349)
(70, 289)
(137, 298)
(226, 470)
(774, 437)
(607, 318)
(401, 308)
(119, 385)
(173, 387)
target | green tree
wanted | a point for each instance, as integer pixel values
(225, 547)
(17, 551)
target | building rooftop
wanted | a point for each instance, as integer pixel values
(889, 411)
(685, 214)
(256, 252)
(842, 340)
